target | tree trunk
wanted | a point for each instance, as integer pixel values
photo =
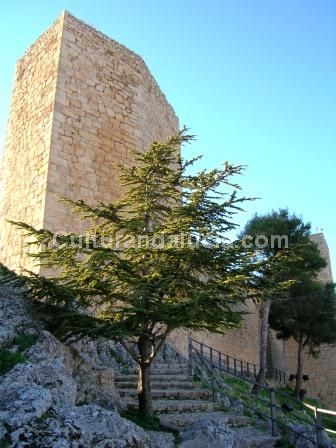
(264, 326)
(299, 371)
(145, 347)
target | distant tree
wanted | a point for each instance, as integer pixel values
(309, 317)
(151, 262)
(281, 242)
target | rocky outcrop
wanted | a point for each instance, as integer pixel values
(63, 396)
(69, 377)
(14, 316)
(19, 405)
(304, 436)
(210, 433)
(86, 426)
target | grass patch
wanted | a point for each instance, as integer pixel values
(45, 416)
(284, 441)
(8, 360)
(147, 423)
(238, 384)
(24, 341)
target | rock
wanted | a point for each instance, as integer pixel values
(161, 439)
(304, 436)
(168, 354)
(105, 353)
(225, 401)
(87, 427)
(237, 406)
(14, 316)
(94, 382)
(50, 374)
(210, 433)
(20, 405)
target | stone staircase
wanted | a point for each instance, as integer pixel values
(178, 401)
(172, 390)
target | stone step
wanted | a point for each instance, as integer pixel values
(167, 406)
(172, 384)
(133, 377)
(170, 366)
(179, 421)
(171, 394)
(163, 371)
(256, 438)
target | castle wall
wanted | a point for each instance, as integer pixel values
(321, 370)
(107, 104)
(241, 343)
(81, 104)
(27, 145)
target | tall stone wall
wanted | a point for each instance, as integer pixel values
(107, 104)
(27, 146)
(81, 104)
(241, 343)
(321, 370)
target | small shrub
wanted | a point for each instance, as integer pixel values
(24, 341)
(82, 403)
(8, 360)
(147, 423)
(45, 416)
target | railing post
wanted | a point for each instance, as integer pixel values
(227, 362)
(190, 366)
(235, 365)
(273, 414)
(248, 370)
(241, 368)
(255, 370)
(319, 428)
(212, 376)
(220, 360)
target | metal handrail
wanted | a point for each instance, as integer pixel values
(274, 407)
(245, 368)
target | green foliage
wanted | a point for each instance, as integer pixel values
(283, 263)
(151, 262)
(308, 315)
(192, 280)
(48, 414)
(82, 403)
(284, 441)
(147, 423)
(8, 360)
(24, 341)
(5, 442)
(238, 384)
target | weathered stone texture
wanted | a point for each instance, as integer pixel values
(81, 104)
(321, 370)
(241, 343)
(107, 104)
(27, 146)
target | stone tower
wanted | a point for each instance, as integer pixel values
(325, 275)
(81, 103)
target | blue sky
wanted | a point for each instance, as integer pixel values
(254, 80)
